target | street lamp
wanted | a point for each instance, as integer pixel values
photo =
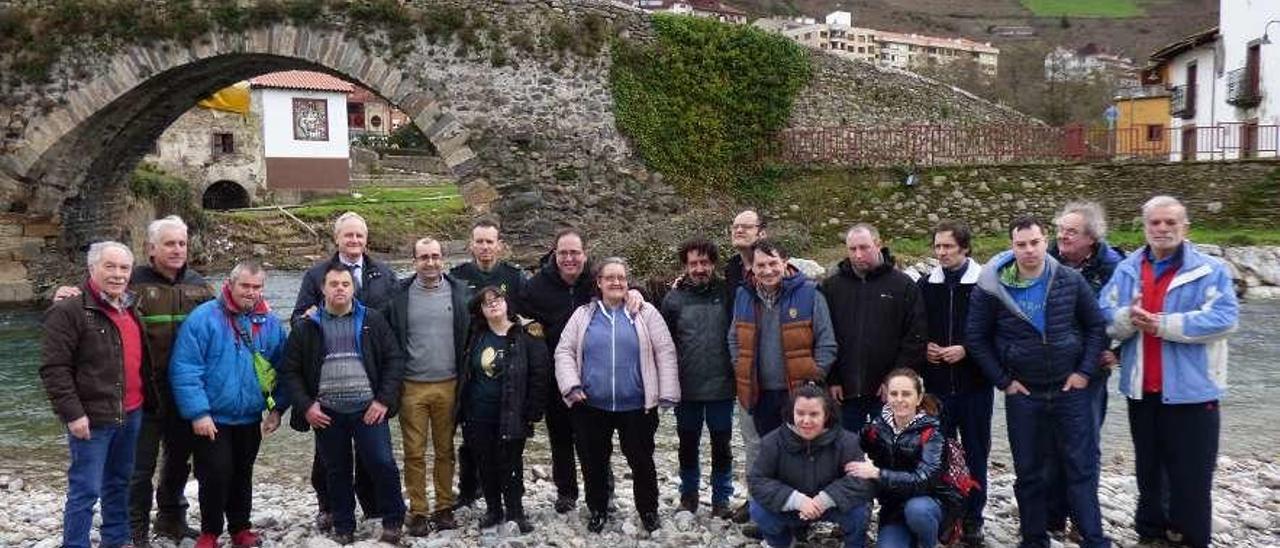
(1267, 39)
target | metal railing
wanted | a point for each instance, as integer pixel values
(1242, 88)
(925, 145)
(1182, 103)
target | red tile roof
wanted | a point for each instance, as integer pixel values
(302, 79)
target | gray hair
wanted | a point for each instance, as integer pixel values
(349, 216)
(247, 266)
(162, 225)
(599, 267)
(1095, 218)
(863, 227)
(1161, 202)
(96, 250)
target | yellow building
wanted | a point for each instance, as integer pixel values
(1142, 122)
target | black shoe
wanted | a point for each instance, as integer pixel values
(343, 538)
(742, 514)
(174, 528)
(596, 523)
(689, 503)
(650, 521)
(491, 519)
(140, 539)
(751, 531)
(324, 521)
(465, 500)
(565, 505)
(721, 511)
(973, 537)
(523, 523)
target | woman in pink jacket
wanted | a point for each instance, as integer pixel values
(613, 369)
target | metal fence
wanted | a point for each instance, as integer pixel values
(925, 145)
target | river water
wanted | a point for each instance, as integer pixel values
(32, 442)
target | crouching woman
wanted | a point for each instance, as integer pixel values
(905, 446)
(799, 476)
(500, 396)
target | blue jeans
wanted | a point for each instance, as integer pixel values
(1041, 424)
(100, 468)
(923, 515)
(373, 444)
(718, 415)
(776, 527)
(1058, 472)
(969, 414)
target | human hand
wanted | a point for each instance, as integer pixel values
(837, 392)
(205, 428)
(66, 292)
(933, 353)
(1108, 359)
(1016, 387)
(634, 301)
(810, 510)
(375, 413)
(953, 354)
(1144, 321)
(316, 418)
(576, 396)
(79, 428)
(1075, 381)
(271, 423)
(863, 469)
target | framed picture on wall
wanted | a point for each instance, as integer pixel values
(310, 119)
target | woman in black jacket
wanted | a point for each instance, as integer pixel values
(905, 446)
(501, 392)
(799, 476)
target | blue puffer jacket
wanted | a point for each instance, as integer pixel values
(1008, 347)
(212, 372)
(1200, 310)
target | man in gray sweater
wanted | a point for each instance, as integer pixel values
(429, 317)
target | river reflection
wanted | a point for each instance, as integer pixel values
(32, 442)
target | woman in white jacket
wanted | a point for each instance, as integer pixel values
(613, 369)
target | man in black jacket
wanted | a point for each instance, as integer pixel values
(343, 371)
(747, 228)
(879, 321)
(696, 316)
(967, 397)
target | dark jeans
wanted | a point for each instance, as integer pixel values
(1058, 472)
(373, 445)
(364, 485)
(1175, 448)
(500, 464)
(468, 471)
(777, 527)
(718, 416)
(564, 464)
(767, 414)
(175, 434)
(856, 411)
(593, 434)
(922, 516)
(224, 468)
(969, 414)
(1046, 421)
(99, 470)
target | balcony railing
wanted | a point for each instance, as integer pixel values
(1242, 88)
(1182, 102)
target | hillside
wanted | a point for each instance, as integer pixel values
(1157, 22)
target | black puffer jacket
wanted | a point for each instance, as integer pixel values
(524, 382)
(879, 323)
(548, 300)
(908, 468)
(788, 463)
(699, 323)
(946, 299)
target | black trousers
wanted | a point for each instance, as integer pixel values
(593, 433)
(560, 433)
(1175, 449)
(224, 468)
(363, 486)
(175, 435)
(500, 464)
(468, 470)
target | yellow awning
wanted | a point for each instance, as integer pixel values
(233, 98)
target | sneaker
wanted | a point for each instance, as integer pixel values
(174, 528)
(324, 521)
(742, 514)
(721, 510)
(650, 521)
(565, 505)
(418, 526)
(596, 523)
(443, 520)
(343, 538)
(207, 540)
(491, 519)
(391, 535)
(245, 539)
(689, 503)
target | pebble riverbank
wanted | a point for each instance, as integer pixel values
(1246, 513)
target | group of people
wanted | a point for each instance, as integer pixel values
(848, 392)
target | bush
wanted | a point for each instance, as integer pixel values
(170, 195)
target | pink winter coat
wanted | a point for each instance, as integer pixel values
(658, 369)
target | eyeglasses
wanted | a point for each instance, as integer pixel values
(614, 278)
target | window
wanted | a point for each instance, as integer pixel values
(1253, 67)
(1155, 132)
(223, 143)
(355, 115)
(1249, 139)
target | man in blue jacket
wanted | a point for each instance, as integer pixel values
(222, 372)
(1036, 331)
(1172, 307)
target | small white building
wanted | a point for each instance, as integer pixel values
(838, 36)
(710, 9)
(304, 130)
(1087, 61)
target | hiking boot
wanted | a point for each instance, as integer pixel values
(491, 519)
(391, 535)
(565, 505)
(443, 520)
(689, 503)
(596, 523)
(174, 528)
(207, 540)
(650, 521)
(324, 521)
(721, 510)
(418, 526)
(245, 539)
(343, 538)
(742, 514)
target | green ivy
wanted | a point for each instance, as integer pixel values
(702, 103)
(169, 194)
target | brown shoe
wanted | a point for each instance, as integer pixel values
(418, 526)
(391, 535)
(443, 520)
(689, 503)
